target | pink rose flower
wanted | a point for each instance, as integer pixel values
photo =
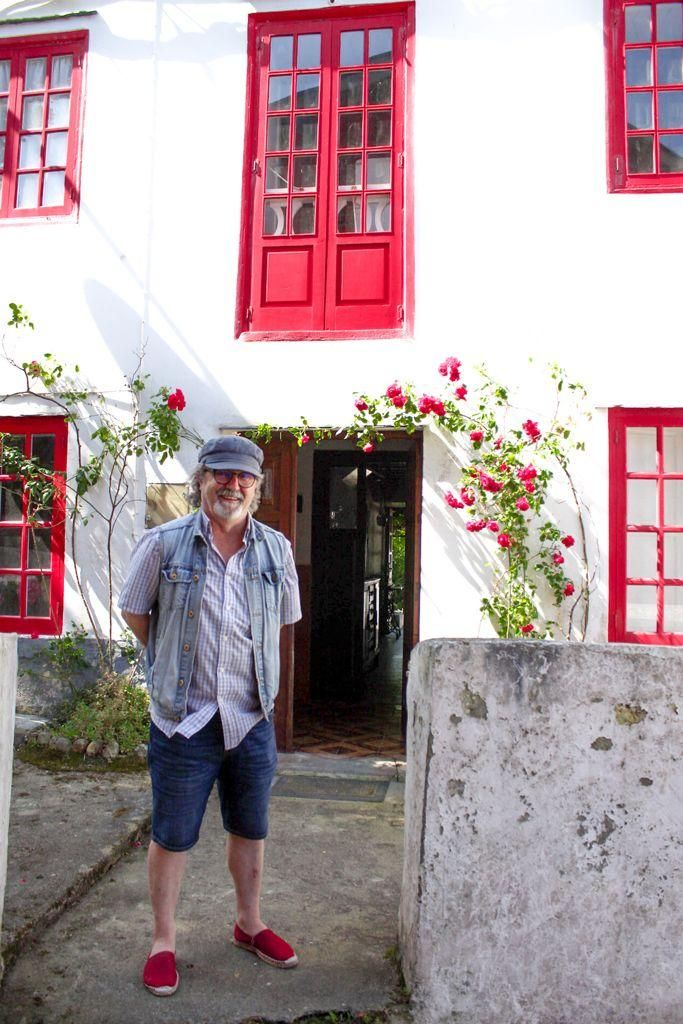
(475, 525)
(489, 484)
(461, 393)
(498, 442)
(522, 504)
(305, 438)
(399, 400)
(504, 540)
(493, 526)
(451, 500)
(369, 447)
(529, 487)
(394, 389)
(558, 558)
(450, 368)
(568, 590)
(425, 404)
(528, 473)
(568, 541)
(467, 496)
(361, 405)
(531, 430)
(477, 436)
(529, 628)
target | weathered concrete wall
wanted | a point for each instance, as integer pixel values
(544, 834)
(8, 686)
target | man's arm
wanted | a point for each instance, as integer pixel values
(139, 624)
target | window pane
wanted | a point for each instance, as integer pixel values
(281, 50)
(307, 91)
(349, 171)
(639, 110)
(33, 112)
(379, 128)
(303, 216)
(640, 154)
(35, 73)
(349, 215)
(641, 609)
(669, 21)
(641, 502)
(43, 449)
(641, 556)
(305, 172)
(278, 133)
(350, 130)
(2, 152)
(673, 556)
(53, 188)
(670, 109)
(61, 71)
(277, 174)
(379, 170)
(380, 46)
(3, 113)
(669, 65)
(306, 131)
(38, 596)
(15, 442)
(280, 92)
(10, 548)
(29, 151)
(638, 24)
(351, 89)
(673, 610)
(39, 548)
(4, 75)
(9, 595)
(671, 153)
(639, 67)
(275, 217)
(55, 155)
(58, 112)
(378, 213)
(10, 501)
(641, 449)
(308, 51)
(379, 86)
(351, 49)
(673, 449)
(27, 191)
(673, 502)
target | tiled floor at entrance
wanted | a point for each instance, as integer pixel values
(370, 727)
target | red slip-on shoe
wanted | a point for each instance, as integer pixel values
(268, 946)
(160, 975)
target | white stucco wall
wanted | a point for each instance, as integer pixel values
(519, 250)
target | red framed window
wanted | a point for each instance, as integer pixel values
(40, 111)
(646, 525)
(324, 219)
(645, 96)
(32, 553)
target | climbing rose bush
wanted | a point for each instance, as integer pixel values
(502, 489)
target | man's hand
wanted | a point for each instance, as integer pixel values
(139, 624)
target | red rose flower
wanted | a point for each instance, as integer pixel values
(568, 541)
(451, 500)
(399, 400)
(305, 438)
(568, 590)
(461, 393)
(361, 405)
(438, 407)
(176, 400)
(489, 484)
(558, 558)
(467, 496)
(522, 504)
(493, 526)
(475, 525)
(425, 404)
(529, 487)
(450, 368)
(503, 468)
(531, 430)
(477, 436)
(528, 473)
(369, 447)
(529, 628)
(504, 540)
(498, 442)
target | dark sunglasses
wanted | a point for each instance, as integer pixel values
(224, 476)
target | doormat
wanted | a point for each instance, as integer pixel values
(317, 787)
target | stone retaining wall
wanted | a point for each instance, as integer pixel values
(543, 876)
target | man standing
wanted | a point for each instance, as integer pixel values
(206, 596)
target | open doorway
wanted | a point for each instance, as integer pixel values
(363, 600)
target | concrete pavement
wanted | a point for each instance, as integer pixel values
(78, 927)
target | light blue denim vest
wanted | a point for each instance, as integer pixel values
(174, 623)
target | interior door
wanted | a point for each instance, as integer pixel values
(278, 509)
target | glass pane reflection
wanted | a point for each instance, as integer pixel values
(9, 595)
(669, 65)
(641, 449)
(349, 215)
(53, 188)
(27, 191)
(58, 110)
(669, 21)
(640, 154)
(641, 609)
(639, 109)
(303, 216)
(10, 548)
(39, 549)
(379, 128)
(349, 171)
(351, 52)
(56, 149)
(641, 502)
(380, 46)
(275, 217)
(639, 66)
(379, 86)
(33, 113)
(670, 109)
(38, 596)
(673, 610)
(29, 151)
(308, 51)
(305, 172)
(350, 130)
(351, 89)
(638, 24)
(671, 153)
(379, 170)
(641, 556)
(4, 75)
(61, 71)
(277, 173)
(306, 131)
(673, 502)
(280, 92)
(35, 73)
(673, 556)
(673, 449)
(378, 213)
(11, 501)
(307, 91)
(278, 133)
(281, 50)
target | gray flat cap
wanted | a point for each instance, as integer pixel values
(232, 452)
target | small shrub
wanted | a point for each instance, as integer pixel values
(114, 709)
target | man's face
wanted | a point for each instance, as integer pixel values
(228, 502)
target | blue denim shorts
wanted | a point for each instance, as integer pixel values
(183, 771)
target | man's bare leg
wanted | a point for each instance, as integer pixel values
(165, 871)
(245, 863)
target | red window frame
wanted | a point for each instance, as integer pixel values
(662, 471)
(41, 625)
(643, 76)
(328, 284)
(59, 142)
